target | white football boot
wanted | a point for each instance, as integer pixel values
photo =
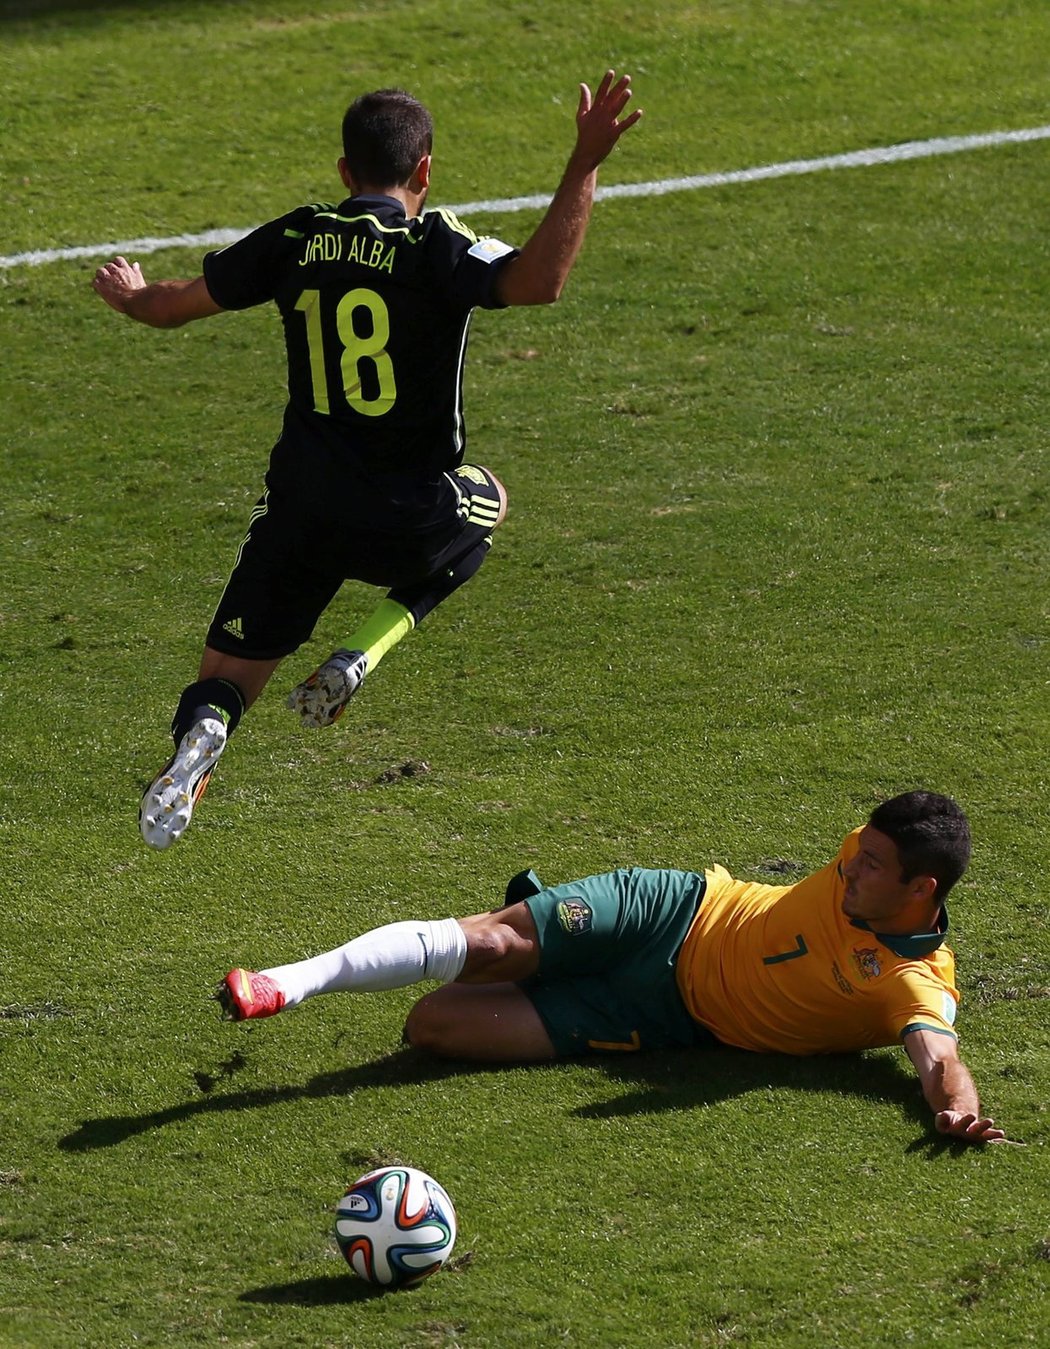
(322, 699)
(167, 806)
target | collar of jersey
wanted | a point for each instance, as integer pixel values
(910, 945)
(368, 201)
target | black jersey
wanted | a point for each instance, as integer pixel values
(376, 311)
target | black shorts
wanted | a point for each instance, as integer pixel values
(298, 552)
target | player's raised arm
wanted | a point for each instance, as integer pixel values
(949, 1089)
(162, 304)
(539, 273)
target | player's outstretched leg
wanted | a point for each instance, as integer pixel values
(391, 956)
(322, 698)
(168, 804)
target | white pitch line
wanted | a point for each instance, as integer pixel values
(854, 159)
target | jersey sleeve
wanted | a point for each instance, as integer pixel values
(466, 267)
(247, 272)
(923, 999)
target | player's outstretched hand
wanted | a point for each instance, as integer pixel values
(968, 1128)
(598, 127)
(117, 280)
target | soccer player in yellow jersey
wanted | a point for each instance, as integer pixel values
(851, 958)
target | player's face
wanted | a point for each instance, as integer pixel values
(874, 889)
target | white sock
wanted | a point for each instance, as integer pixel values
(387, 957)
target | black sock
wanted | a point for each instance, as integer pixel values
(208, 698)
(425, 595)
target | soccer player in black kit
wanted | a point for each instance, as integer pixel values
(367, 480)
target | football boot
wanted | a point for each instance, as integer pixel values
(322, 699)
(244, 995)
(169, 801)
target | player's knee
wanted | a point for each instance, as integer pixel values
(502, 493)
(500, 945)
(428, 1027)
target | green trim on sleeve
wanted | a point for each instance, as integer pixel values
(921, 1025)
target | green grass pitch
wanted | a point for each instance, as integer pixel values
(777, 547)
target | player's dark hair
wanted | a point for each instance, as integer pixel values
(931, 833)
(385, 135)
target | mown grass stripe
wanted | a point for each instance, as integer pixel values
(853, 159)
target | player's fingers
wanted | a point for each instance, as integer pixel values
(615, 100)
(616, 106)
(628, 122)
(604, 84)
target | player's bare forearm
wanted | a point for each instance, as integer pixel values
(157, 305)
(539, 273)
(950, 1094)
(161, 304)
(949, 1090)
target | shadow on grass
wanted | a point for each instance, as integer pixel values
(688, 1079)
(676, 1081)
(337, 1290)
(671, 1080)
(402, 1068)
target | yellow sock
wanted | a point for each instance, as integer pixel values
(383, 629)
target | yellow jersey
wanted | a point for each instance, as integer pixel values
(781, 968)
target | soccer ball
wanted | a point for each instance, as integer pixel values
(395, 1226)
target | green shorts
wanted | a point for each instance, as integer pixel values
(608, 946)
